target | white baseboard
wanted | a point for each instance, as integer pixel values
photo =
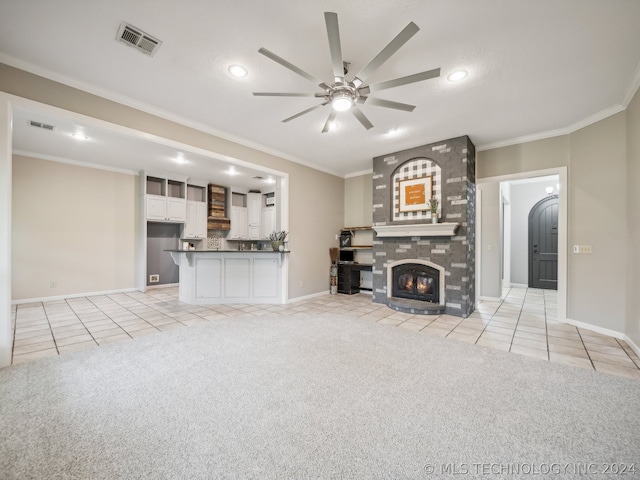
(164, 285)
(71, 295)
(632, 344)
(490, 299)
(307, 297)
(518, 285)
(605, 331)
(595, 328)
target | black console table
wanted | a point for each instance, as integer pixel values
(349, 277)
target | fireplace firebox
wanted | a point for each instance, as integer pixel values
(416, 282)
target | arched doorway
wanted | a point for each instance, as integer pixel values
(543, 244)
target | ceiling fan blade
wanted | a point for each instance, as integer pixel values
(288, 65)
(315, 107)
(282, 94)
(331, 19)
(416, 77)
(327, 124)
(391, 48)
(389, 104)
(363, 120)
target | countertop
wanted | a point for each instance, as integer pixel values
(225, 251)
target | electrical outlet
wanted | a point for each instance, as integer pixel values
(154, 278)
(53, 284)
(585, 248)
(301, 283)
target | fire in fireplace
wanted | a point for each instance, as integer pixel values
(417, 282)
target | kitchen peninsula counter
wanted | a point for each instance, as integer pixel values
(231, 276)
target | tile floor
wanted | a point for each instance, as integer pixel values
(523, 323)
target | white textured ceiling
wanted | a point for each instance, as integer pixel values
(535, 67)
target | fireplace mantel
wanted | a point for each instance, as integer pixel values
(417, 230)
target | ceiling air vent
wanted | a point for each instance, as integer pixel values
(134, 37)
(44, 126)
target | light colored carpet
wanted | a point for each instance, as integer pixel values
(308, 397)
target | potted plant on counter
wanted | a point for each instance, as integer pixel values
(277, 240)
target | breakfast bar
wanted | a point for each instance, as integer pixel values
(231, 276)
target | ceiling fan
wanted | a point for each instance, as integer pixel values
(345, 94)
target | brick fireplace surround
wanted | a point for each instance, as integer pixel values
(451, 163)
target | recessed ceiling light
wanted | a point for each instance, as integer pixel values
(333, 126)
(393, 132)
(457, 75)
(79, 136)
(238, 71)
(232, 171)
(180, 158)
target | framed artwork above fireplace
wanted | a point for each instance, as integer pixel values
(414, 194)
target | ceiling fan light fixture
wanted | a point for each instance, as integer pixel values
(342, 101)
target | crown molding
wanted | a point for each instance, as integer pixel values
(596, 117)
(146, 108)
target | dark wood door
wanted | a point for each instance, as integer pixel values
(543, 244)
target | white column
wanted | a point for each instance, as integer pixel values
(6, 333)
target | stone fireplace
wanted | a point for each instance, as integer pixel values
(419, 266)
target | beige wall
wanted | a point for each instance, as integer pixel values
(71, 225)
(597, 217)
(596, 160)
(316, 199)
(524, 157)
(490, 267)
(358, 201)
(633, 220)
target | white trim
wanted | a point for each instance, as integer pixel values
(77, 163)
(72, 295)
(563, 226)
(441, 270)
(633, 88)
(594, 328)
(585, 122)
(417, 230)
(490, 299)
(143, 107)
(307, 297)
(6, 165)
(632, 344)
(518, 285)
(164, 285)
(359, 174)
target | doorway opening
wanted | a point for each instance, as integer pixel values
(518, 198)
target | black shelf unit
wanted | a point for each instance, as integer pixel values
(349, 273)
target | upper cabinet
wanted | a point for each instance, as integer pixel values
(195, 226)
(252, 215)
(165, 199)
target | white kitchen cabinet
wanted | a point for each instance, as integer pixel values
(239, 223)
(196, 221)
(165, 199)
(176, 209)
(156, 208)
(268, 222)
(254, 205)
